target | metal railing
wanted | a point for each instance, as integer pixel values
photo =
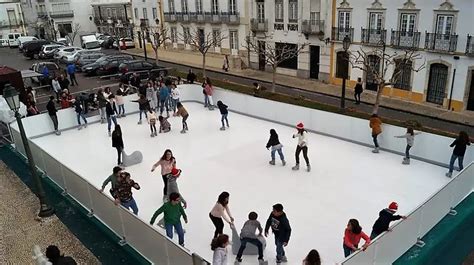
(60, 14)
(373, 36)
(232, 18)
(211, 17)
(338, 34)
(441, 42)
(312, 27)
(470, 46)
(405, 40)
(170, 17)
(258, 25)
(196, 17)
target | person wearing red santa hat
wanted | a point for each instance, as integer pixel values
(385, 217)
(302, 146)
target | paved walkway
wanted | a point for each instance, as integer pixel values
(214, 63)
(20, 231)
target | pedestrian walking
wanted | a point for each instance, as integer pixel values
(143, 106)
(358, 90)
(172, 211)
(276, 146)
(117, 143)
(164, 97)
(410, 136)
(191, 77)
(376, 124)
(174, 97)
(302, 136)
(281, 229)
(152, 122)
(247, 235)
(111, 111)
(79, 113)
(71, 71)
(184, 114)
(217, 213)
(56, 88)
(256, 89)
(225, 65)
(219, 246)
(208, 91)
(165, 125)
(45, 76)
(51, 107)
(312, 258)
(460, 145)
(386, 216)
(224, 112)
(167, 163)
(123, 192)
(102, 102)
(352, 236)
(113, 179)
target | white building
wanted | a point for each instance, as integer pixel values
(440, 31)
(227, 18)
(113, 17)
(58, 18)
(146, 15)
(11, 18)
(294, 22)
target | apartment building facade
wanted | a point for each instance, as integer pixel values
(440, 31)
(113, 17)
(11, 18)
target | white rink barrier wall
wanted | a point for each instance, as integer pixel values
(144, 238)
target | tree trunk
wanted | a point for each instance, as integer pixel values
(203, 65)
(273, 79)
(156, 56)
(375, 110)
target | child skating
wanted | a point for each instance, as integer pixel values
(165, 125)
(184, 114)
(410, 136)
(281, 229)
(152, 122)
(376, 124)
(302, 146)
(143, 106)
(224, 112)
(247, 235)
(219, 246)
(276, 146)
(460, 145)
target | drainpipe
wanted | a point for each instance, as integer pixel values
(456, 58)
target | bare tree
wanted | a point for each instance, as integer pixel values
(75, 30)
(160, 36)
(274, 54)
(201, 41)
(385, 69)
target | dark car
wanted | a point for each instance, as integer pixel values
(98, 67)
(108, 42)
(144, 69)
(32, 48)
(87, 58)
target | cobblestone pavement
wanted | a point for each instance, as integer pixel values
(20, 230)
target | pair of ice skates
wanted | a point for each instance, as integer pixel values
(297, 167)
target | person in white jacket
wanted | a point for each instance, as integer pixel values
(302, 146)
(56, 87)
(219, 246)
(410, 136)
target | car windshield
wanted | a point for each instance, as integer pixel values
(92, 45)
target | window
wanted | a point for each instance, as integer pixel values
(145, 15)
(344, 19)
(314, 16)
(171, 6)
(109, 12)
(291, 63)
(279, 11)
(173, 35)
(375, 20)
(216, 36)
(261, 12)
(234, 40)
(186, 35)
(199, 6)
(122, 13)
(154, 13)
(342, 65)
(444, 24)
(184, 6)
(293, 10)
(136, 13)
(232, 7)
(402, 74)
(215, 7)
(407, 22)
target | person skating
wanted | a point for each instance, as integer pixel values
(376, 124)
(152, 122)
(352, 235)
(112, 179)
(151, 96)
(174, 97)
(219, 246)
(51, 107)
(172, 186)
(386, 216)
(208, 91)
(247, 235)
(410, 136)
(224, 112)
(117, 143)
(167, 163)
(119, 100)
(276, 146)
(172, 211)
(312, 258)
(302, 135)
(111, 111)
(281, 229)
(102, 101)
(165, 125)
(143, 106)
(217, 213)
(358, 90)
(460, 145)
(123, 192)
(184, 114)
(79, 113)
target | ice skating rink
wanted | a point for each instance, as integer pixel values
(346, 181)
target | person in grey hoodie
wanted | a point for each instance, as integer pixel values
(281, 229)
(247, 235)
(112, 179)
(410, 136)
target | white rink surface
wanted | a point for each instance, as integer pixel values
(346, 181)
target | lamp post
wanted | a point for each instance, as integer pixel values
(13, 100)
(143, 28)
(346, 42)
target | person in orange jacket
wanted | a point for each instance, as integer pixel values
(376, 125)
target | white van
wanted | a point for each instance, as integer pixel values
(23, 39)
(13, 39)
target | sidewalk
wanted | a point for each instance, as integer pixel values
(20, 230)
(214, 63)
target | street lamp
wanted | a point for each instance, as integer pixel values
(143, 28)
(13, 100)
(346, 42)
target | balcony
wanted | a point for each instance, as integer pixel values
(231, 18)
(42, 14)
(170, 17)
(441, 42)
(338, 34)
(470, 46)
(292, 26)
(61, 14)
(405, 40)
(213, 18)
(373, 36)
(196, 17)
(144, 22)
(312, 27)
(278, 26)
(259, 25)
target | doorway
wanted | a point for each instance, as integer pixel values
(261, 56)
(314, 62)
(371, 82)
(470, 99)
(437, 83)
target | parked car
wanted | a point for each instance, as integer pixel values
(64, 51)
(95, 68)
(3, 42)
(33, 48)
(24, 39)
(128, 42)
(63, 41)
(108, 42)
(87, 58)
(53, 68)
(47, 51)
(144, 69)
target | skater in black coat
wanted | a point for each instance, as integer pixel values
(385, 217)
(117, 142)
(276, 146)
(281, 229)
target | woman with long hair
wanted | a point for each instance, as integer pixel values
(460, 144)
(167, 162)
(117, 142)
(410, 136)
(217, 213)
(219, 246)
(312, 258)
(352, 236)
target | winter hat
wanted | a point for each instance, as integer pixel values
(393, 206)
(175, 172)
(300, 126)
